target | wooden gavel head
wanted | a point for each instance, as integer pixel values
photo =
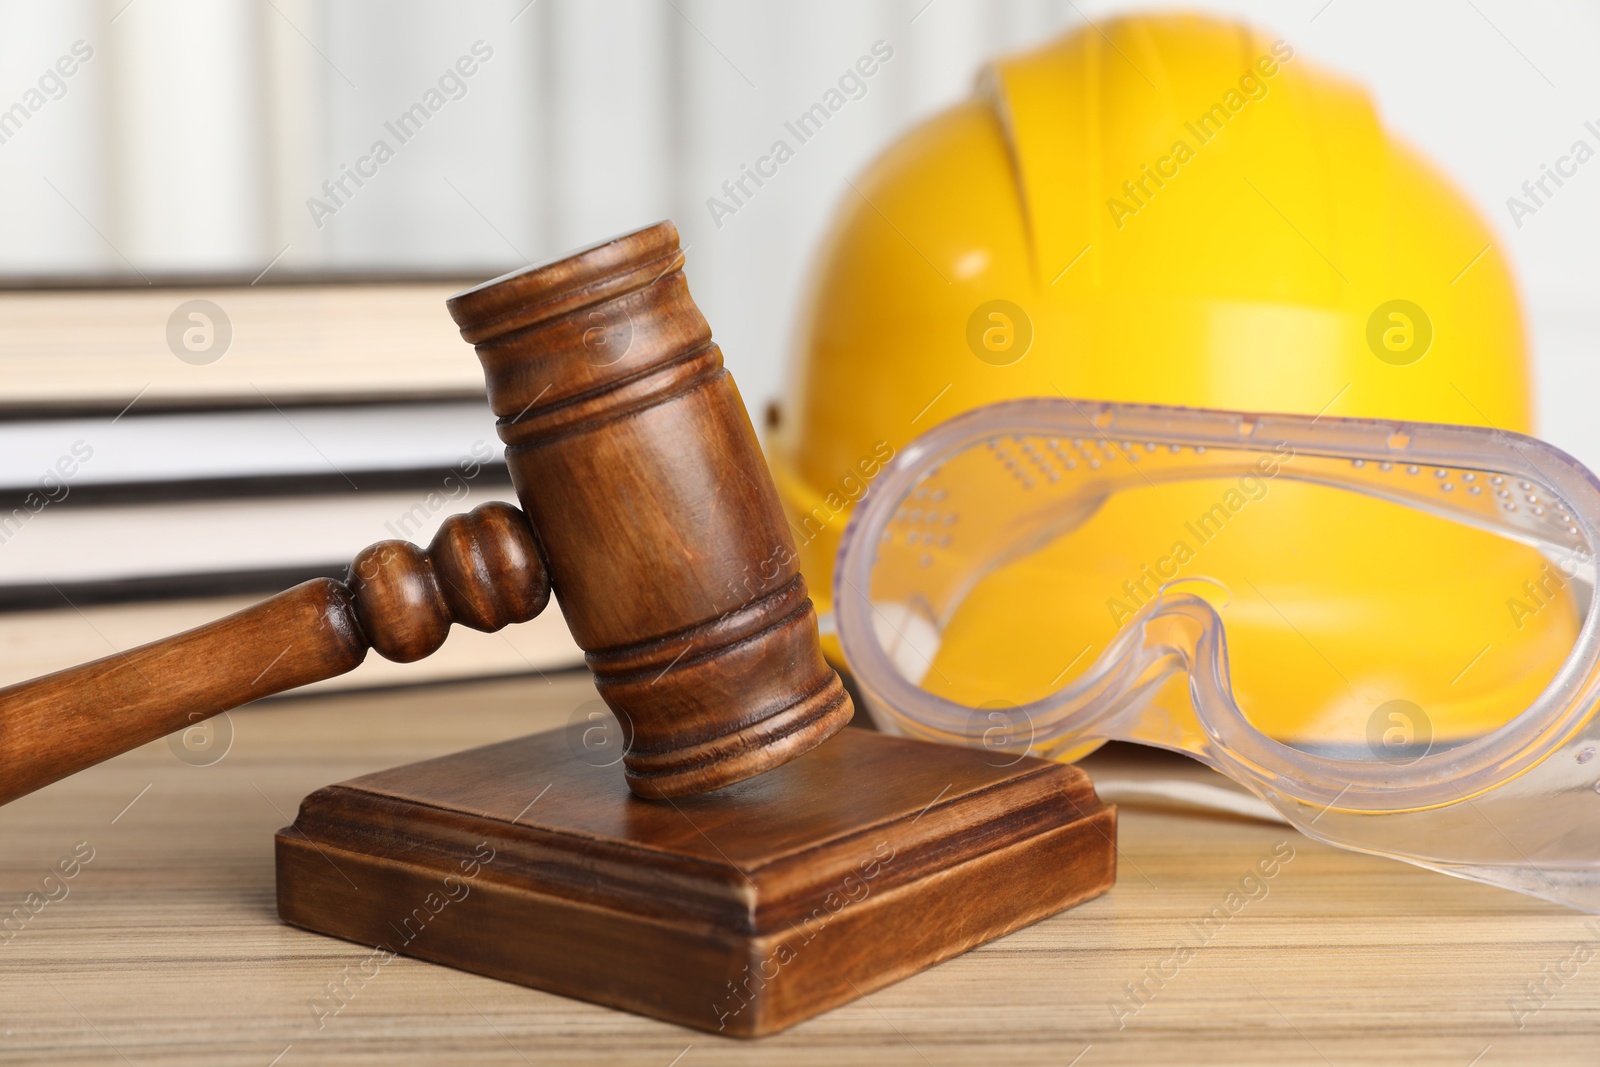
(636, 463)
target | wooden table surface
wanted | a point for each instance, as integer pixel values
(165, 947)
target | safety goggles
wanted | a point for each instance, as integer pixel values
(1384, 630)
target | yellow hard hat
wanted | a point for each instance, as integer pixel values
(1171, 209)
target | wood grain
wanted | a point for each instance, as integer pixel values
(741, 911)
(168, 948)
(635, 460)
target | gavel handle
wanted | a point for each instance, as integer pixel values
(482, 569)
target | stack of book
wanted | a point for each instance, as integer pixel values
(173, 453)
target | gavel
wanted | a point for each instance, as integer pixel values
(646, 507)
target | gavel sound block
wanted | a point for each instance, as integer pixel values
(736, 874)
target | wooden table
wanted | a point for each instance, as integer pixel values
(166, 948)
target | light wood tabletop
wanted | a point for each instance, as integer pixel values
(163, 946)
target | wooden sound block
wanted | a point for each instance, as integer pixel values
(741, 911)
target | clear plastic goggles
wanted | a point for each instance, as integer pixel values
(1384, 630)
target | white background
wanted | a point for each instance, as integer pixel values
(193, 138)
